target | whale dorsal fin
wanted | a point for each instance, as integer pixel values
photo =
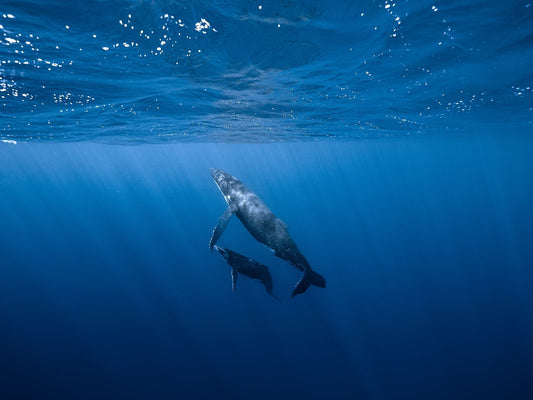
(234, 279)
(221, 225)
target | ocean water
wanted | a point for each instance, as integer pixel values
(395, 139)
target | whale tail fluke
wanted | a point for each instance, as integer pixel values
(309, 278)
(317, 279)
(278, 300)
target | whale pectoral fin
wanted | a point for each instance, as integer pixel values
(234, 279)
(221, 225)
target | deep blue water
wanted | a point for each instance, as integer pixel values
(394, 139)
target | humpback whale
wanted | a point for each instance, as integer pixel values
(264, 226)
(247, 267)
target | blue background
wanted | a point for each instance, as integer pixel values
(108, 287)
(394, 141)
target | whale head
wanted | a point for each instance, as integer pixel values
(224, 181)
(218, 174)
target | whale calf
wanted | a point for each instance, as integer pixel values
(246, 266)
(264, 226)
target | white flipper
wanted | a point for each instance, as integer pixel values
(234, 279)
(221, 225)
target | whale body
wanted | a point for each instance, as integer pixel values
(263, 225)
(246, 266)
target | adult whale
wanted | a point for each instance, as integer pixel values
(247, 267)
(264, 226)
